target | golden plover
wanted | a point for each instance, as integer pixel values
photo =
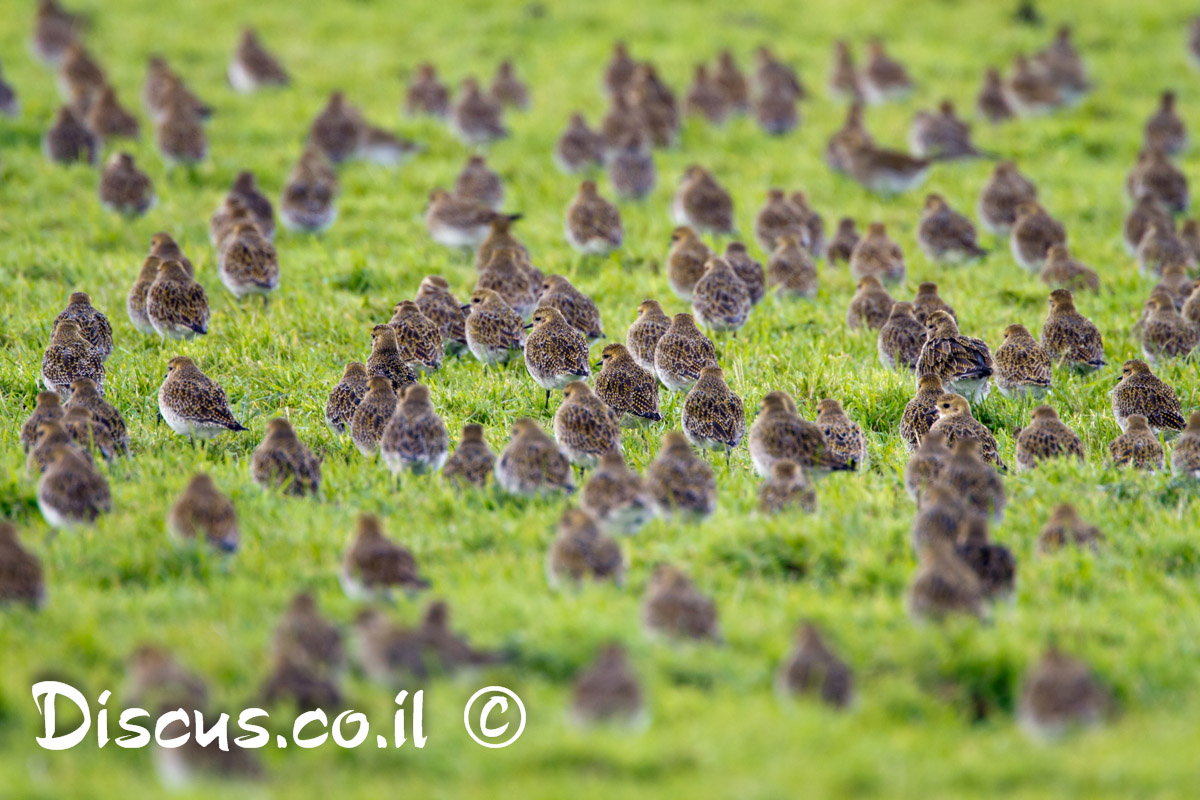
(71, 491)
(202, 512)
(472, 462)
(901, 338)
(582, 551)
(68, 141)
(176, 305)
(702, 203)
(686, 261)
(248, 264)
(479, 183)
(281, 461)
(85, 394)
(1063, 271)
(1070, 338)
(124, 188)
(1001, 197)
(779, 433)
(93, 325)
(476, 119)
(843, 437)
(1022, 366)
(963, 363)
(681, 353)
(593, 224)
(372, 414)
(883, 79)
(1046, 437)
(70, 356)
(878, 255)
(1154, 174)
(628, 389)
(426, 94)
(193, 404)
(386, 359)
(584, 426)
(415, 438)
(575, 306)
(643, 335)
(374, 565)
(714, 417)
(1066, 528)
(579, 147)
(1059, 693)
(955, 421)
(992, 101)
(456, 221)
(944, 585)
(345, 397)
(945, 235)
(21, 579)
(253, 67)
(532, 463)
(443, 309)
(925, 465)
(1165, 334)
(608, 691)
(679, 482)
(556, 353)
(48, 408)
(493, 330)
(790, 269)
(787, 487)
(419, 339)
(674, 607)
(813, 669)
(922, 410)
(1140, 391)
(1185, 455)
(871, 305)
(720, 299)
(1137, 446)
(616, 496)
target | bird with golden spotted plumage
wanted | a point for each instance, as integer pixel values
(48, 408)
(372, 414)
(1022, 366)
(345, 397)
(925, 465)
(1059, 693)
(1033, 234)
(945, 235)
(70, 356)
(941, 515)
(533, 464)
(85, 394)
(775, 75)
(963, 363)
(48, 436)
(974, 481)
(1165, 334)
(253, 67)
(135, 301)
(922, 410)
(476, 119)
(308, 200)
(675, 608)
(71, 491)
(1177, 284)
(901, 338)
(1146, 210)
(841, 245)
(1189, 234)
(878, 255)
(628, 389)
(877, 169)
(1140, 392)
(1062, 65)
(813, 669)
(203, 513)
(472, 461)
(1061, 270)
(283, 462)
(418, 338)
(747, 269)
(1070, 338)
(720, 299)
(732, 83)
(1046, 437)
(844, 438)
(871, 305)
(686, 261)
(455, 221)
(681, 353)
(179, 133)
(993, 563)
(68, 141)
(631, 168)
(702, 203)
(992, 102)
(713, 417)
(176, 305)
(388, 653)
(375, 566)
(442, 308)
(21, 575)
(1185, 455)
(642, 337)
(88, 432)
(248, 264)
(843, 74)
(811, 223)
(1001, 197)
(579, 147)
(704, 98)
(555, 351)
(852, 134)
(577, 308)
(292, 680)
(883, 79)
(955, 421)
(387, 360)
(480, 183)
(679, 482)
(790, 269)
(493, 329)
(941, 135)
(616, 496)
(582, 551)
(786, 488)
(336, 128)
(1065, 527)
(1154, 174)
(777, 218)
(501, 238)
(584, 426)
(1159, 248)
(1029, 90)
(1191, 308)
(231, 213)
(593, 224)
(1165, 129)
(944, 585)
(246, 191)
(779, 433)
(55, 29)
(426, 94)
(608, 692)
(507, 89)
(124, 188)
(415, 438)
(193, 404)
(93, 325)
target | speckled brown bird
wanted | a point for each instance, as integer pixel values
(179, 133)
(779, 433)
(375, 566)
(452, 651)
(1070, 338)
(1001, 199)
(372, 414)
(720, 299)
(388, 653)
(628, 389)
(704, 98)
(69, 356)
(455, 221)
(787, 487)
(681, 353)
(532, 463)
(48, 437)
(93, 325)
(1165, 334)
(675, 608)
(477, 182)
(493, 330)
(878, 169)
(124, 188)
(955, 421)
(1022, 366)
(925, 465)
(336, 129)
(616, 496)
(730, 79)
(193, 404)
(593, 224)
(811, 222)
(231, 213)
(1146, 210)
(1185, 455)
(507, 89)
(878, 255)
(1059, 693)
(844, 240)
(108, 119)
(501, 238)
(944, 585)
(944, 235)
(584, 426)
(387, 360)
(68, 141)
(202, 512)
(442, 308)
(791, 271)
(48, 408)
(176, 305)
(922, 410)
(843, 74)
(901, 338)
(608, 692)
(344, 398)
(253, 67)
(85, 394)
(631, 169)
(1189, 234)
(472, 461)
(283, 462)
(748, 270)
(643, 335)
(963, 363)
(852, 135)
(476, 119)
(1176, 284)
(245, 190)
(577, 308)
(1165, 129)
(1063, 271)
(679, 482)
(55, 29)
(871, 305)
(1029, 90)
(582, 551)
(89, 433)
(1154, 174)
(1033, 234)
(971, 480)
(1061, 63)
(71, 491)
(308, 200)
(883, 79)
(941, 135)
(993, 563)
(686, 261)
(248, 264)
(713, 417)
(813, 669)
(556, 353)
(1191, 308)
(1159, 248)
(1046, 437)
(992, 101)
(21, 576)
(702, 203)
(579, 148)
(426, 94)
(1140, 391)
(777, 218)
(1066, 528)
(417, 337)
(844, 438)
(942, 515)
(415, 438)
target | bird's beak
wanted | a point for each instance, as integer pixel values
(599, 365)
(527, 327)
(467, 307)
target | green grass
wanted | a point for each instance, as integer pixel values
(1132, 611)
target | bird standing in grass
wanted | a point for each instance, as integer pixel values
(901, 338)
(419, 339)
(944, 585)
(345, 397)
(779, 433)
(681, 353)
(1058, 693)
(844, 240)
(176, 305)
(877, 255)
(68, 141)
(576, 307)
(472, 462)
(643, 335)
(686, 261)
(21, 577)
(972, 479)
(675, 608)
(85, 394)
(778, 218)
(556, 353)
(193, 404)
(1154, 174)
(203, 513)
(93, 325)
(582, 551)
(48, 436)
(720, 299)
(456, 221)
(253, 67)
(813, 669)
(579, 148)
(1032, 235)
(48, 408)
(1138, 446)
(1165, 334)
(415, 438)
(1185, 455)
(532, 463)
(375, 566)
(955, 421)
(427, 94)
(475, 118)
(1022, 366)
(493, 330)
(70, 356)
(307, 203)
(442, 308)
(616, 496)
(372, 414)
(88, 433)
(871, 305)
(713, 415)
(945, 235)
(702, 203)
(1140, 391)
(679, 482)
(631, 168)
(584, 426)
(479, 183)
(941, 135)
(790, 269)
(1063, 271)
(1001, 197)
(135, 302)
(1046, 437)
(925, 465)
(883, 79)
(787, 487)
(124, 188)
(922, 410)
(180, 130)
(593, 224)
(844, 438)
(282, 461)
(992, 101)
(387, 360)
(71, 491)
(248, 263)
(1070, 338)
(1066, 528)
(630, 391)
(608, 691)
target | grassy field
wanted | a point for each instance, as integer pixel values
(935, 711)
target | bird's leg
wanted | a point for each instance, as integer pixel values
(546, 407)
